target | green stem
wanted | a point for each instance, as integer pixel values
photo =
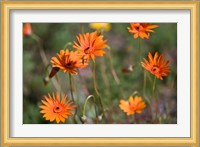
(45, 59)
(82, 28)
(70, 84)
(144, 87)
(145, 81)
(74, 87)
(67, 44)
(41, 50)
(114, 73)
(105, 77)
(134, 93)
(153, 96)
(139, 50)
(153, 89)
(144, 93)
(135, 119)
(96, 90)
(71, 90)
(85, 104)
(112, 69)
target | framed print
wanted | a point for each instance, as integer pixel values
(100, 73)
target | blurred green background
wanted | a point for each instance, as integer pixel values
(124, 54)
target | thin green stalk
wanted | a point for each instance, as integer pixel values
(139, 50)
(145, 81)
(96, 90)
(71, 89)
(135, 119)
(105, 77)
(67, 44)
(144, 87)
(74, 86)
(134, 93)
(82, 28)
(153, 96)
(45, 59)
(83, 82)
(144, 93)
(112, 69)
(85, 104)
(41, 50)
(114, 74)
(153, 89)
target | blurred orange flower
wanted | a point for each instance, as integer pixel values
(157, 65)
(90, 45)
(27, 29)
(133, 105)
(55, 109)
(141, 30)
(68, 61)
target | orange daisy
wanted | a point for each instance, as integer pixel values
(68, 61)
(27, 29)
(55, 109)
(90, 45)
(157, 65)
(133, 105)
(141, 30)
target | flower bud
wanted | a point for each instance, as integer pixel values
(100, 117)
(84, 119)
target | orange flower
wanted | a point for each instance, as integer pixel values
(27, 29)
(141, 29)
(134, 105)
(156, 65)
(55, 109)
(68, 61)
(90, 45)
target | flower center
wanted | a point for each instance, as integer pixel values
(87, 50)
(133, 107)
(57, 109)
(137, 28)
(68, 64)
(155, 69)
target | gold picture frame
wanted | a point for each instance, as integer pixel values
(193, 7)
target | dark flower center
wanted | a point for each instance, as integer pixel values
(155, 69)
(57, 109)
(87, 50)
(68, 64)
(137, 28)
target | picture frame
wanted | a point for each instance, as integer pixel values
(7, 7)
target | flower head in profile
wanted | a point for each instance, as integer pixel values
(68, 61)
(141, 30)
(133, 105)
(90, 45)
(100, 26)
(157, 65)
(56, 108)
(27, 29)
